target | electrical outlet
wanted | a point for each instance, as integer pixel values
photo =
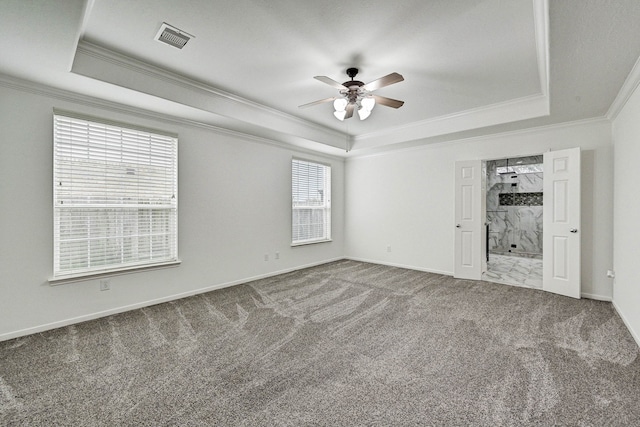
(277, 255)
(266, 257)
(105, 285)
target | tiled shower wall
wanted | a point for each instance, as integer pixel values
(518, 219)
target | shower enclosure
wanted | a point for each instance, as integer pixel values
(514, 206)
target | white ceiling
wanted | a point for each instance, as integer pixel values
(470, 66)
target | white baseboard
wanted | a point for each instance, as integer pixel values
(633, 333)
(410, 267)
(448, 273)
(122, 309)
(595, 297)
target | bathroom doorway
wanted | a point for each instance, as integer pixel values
(514, 222)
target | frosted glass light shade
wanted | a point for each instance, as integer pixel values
(340, 104)
(340, 114)
(368, 103)
(363, 113)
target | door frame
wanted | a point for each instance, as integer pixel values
(483, 191)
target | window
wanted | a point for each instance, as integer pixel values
(115, 198)
(311, 202)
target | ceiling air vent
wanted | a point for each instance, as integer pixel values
(173, 36)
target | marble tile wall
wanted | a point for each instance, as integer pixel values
(514, 225)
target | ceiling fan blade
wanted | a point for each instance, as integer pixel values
(350, 107)
(311, 104)
(330, 82)
(387, 80)
(388, 102)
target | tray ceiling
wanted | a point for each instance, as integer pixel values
(470, 66)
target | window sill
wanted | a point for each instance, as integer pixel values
(81, 277)
(312, 242)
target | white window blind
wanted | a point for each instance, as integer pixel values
(115, 197)
(311, 202)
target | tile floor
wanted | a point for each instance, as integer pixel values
(511, 270)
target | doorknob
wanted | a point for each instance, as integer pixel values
(574, 230)
(458, 226)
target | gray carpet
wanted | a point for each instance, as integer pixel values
(343, 344)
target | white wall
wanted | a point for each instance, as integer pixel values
(234, 196)
(626, 248)
(234, 207)
(405, 199)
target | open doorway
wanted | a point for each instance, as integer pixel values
(561, 242)
(514, 222)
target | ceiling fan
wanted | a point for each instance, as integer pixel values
(354, 94)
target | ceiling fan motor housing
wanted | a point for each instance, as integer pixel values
(352, 84)
(352, 91)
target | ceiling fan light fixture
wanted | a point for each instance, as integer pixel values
(340, 104)
(363, 113)
(355, 95)
(368, 103)
(340, 114)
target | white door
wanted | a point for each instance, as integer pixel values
(561, 223)
(469, 220)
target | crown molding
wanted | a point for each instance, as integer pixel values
(628, 88)
(503, 112)
(86, 13)
(39, 89)
(102, 64)
(102, 53)
(422, 145)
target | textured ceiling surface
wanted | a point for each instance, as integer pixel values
(252, 62)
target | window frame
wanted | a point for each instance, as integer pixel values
(139, 209)
(325, 208)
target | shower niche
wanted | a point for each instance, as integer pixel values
(514, 206)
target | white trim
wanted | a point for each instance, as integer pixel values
(122, 309)
(385, 150)
(634, 334)
(512, 110)
(86, 13)
(446, 273)
(596, 297)
(628, 88)
(82, 277)
(408, 267)
(534, 105)
(124, 61)
(310, 242)
(68, 96)
(541, 28)
(98, 53)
